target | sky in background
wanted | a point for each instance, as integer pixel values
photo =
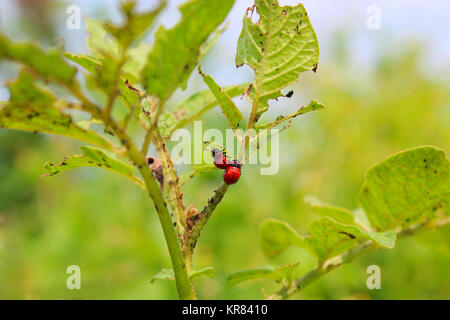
(401, 20)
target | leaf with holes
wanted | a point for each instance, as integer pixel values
(136, 23)
(312, 106)
(280, 46)
(33, 109)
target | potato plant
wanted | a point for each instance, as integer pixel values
(404, 194)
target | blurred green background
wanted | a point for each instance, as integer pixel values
(108, 227)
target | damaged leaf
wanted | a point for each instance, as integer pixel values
(192, 108)
(283, 274)
(312, 106)
(229, 109)
(93, 157)
(136, 23)
(280, 46)
(48, 64)
(33, 109)
(406, 188)
(176, 51)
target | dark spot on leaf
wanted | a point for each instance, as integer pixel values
(351, 236)
(284, 12)
(289, 94)
(315, 68)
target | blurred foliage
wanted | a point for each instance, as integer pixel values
(107, 226)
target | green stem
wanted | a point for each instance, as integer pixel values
(184, 285)
(202, 218)
(348, 256)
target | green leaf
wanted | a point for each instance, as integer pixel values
(99, 41)
(89, 63)
(283, 274)
(164, 274)
(136, 61)
(229, 109)
(278, 48)
(385, 239)
(208, 271)
(406, 188)
(93, 157)
(33, 109)
(337, 213)
(48, 64)
(167, 274)
(128, 97)
(329, 238)
(192, 108)
(275, 236)
(197, 169)
(250, 274)
(312, 106)
(360, 217)
(136, 23)
(176, 51)
(213, 38)
(326, 237)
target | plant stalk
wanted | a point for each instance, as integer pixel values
(348, 256)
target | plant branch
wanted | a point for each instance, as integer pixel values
(153, 125)
(171, 176)
(183, 283)
(348, 256)
(199, 220)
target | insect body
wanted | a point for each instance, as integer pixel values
(220, 158)
(232, 168)
(232, 173)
